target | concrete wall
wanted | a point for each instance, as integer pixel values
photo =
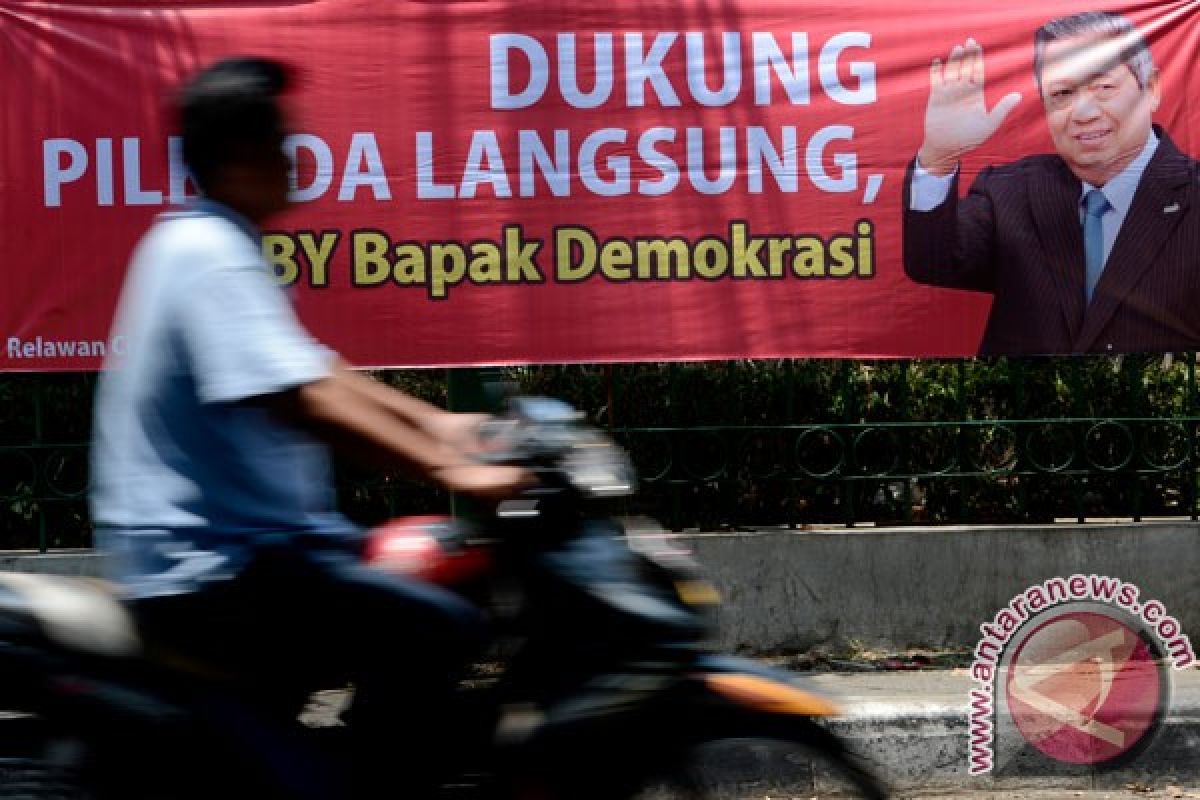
(892, 588)
(60, 562)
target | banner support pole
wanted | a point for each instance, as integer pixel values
(466, 391)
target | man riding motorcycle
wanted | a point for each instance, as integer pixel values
(211, 492)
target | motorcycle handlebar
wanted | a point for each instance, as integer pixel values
(551, 439)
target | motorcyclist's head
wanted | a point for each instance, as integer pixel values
(233, 133)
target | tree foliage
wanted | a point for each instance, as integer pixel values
(759, 442)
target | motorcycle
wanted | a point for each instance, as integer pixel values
(601, 682)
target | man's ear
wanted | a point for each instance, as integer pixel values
(1154, 90)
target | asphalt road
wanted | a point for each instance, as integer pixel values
(1136, 793)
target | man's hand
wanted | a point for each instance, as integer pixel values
(482, 481)
(956, 119)
(458, 430)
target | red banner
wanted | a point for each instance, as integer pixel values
(486, 182)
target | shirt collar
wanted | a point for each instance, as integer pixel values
(207, 205)
(1119, 191)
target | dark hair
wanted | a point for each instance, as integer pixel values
(230, 112)
(1135, 53)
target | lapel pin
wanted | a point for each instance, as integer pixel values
(1171, 209)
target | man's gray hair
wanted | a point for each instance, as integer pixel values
(1134, 51)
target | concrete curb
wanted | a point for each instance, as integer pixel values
(85, 563)
(791, 591)
(915, 742)
(917, 738)
(911, 729)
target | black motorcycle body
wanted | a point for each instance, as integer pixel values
(602, 684)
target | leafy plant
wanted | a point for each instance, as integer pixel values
(766, 442)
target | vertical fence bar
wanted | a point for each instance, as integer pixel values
(1189, 463)
(615, 374)
(466, 390)
(790, 477)
(847, 483)
(905, 416)
(960, 396)
(1075, 383)
(673, 483)
(1016, 379)
(91, 384)
(610, 397)
(38, 429)
(38, 433)
(1137, 390)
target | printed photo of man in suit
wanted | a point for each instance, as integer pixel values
(1093, 249)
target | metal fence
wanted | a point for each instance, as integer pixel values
(787, 442)
(45, 422)
(996, 441)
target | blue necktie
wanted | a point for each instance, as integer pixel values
(1094, 205)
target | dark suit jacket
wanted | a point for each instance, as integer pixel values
(1017, 235)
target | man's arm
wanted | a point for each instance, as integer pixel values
(947, 242)
(376, 424)
(458, 429)
(953, 244)
(246, 346)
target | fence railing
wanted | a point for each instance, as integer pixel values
(45, 421)
(789, 442)
(994, 471)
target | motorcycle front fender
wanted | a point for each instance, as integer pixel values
(760, 688)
